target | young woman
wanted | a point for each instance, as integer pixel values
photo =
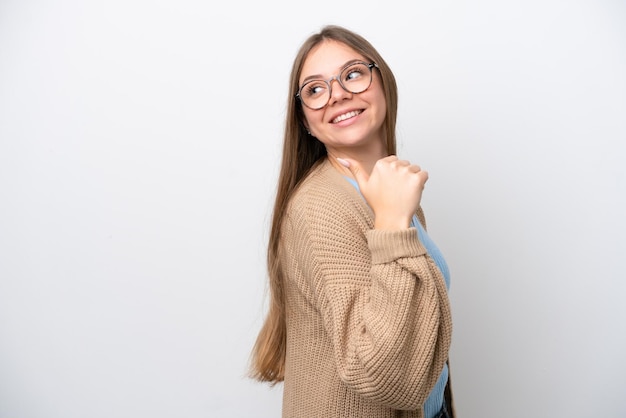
(359, 321)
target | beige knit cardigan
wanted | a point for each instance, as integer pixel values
(368, 317)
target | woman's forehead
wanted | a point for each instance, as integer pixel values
(328, 58)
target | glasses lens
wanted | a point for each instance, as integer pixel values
(356, 78)
(315, 94)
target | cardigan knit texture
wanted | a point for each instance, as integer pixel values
(432, 406)
(368, 317)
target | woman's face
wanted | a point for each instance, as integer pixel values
(349, 121)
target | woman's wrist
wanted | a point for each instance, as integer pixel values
(391, 224)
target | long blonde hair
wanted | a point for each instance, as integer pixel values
(301, 152)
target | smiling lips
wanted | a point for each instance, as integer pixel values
(345, 116)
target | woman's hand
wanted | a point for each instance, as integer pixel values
(393, 190)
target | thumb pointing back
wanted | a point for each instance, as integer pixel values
(360, 175)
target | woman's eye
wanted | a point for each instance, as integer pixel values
(353, 74)
(314, 89)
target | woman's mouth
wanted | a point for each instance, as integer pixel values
(347, 115)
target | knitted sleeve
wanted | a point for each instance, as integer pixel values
(383, 301)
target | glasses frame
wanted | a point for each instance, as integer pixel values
(337, 77)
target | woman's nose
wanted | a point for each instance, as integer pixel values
(337, 92)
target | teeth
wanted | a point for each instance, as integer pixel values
(346, 116)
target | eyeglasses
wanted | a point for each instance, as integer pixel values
(354, 78)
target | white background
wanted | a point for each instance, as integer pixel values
(139, 149)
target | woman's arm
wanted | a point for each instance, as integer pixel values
(382, 299)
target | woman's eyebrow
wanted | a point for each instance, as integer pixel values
(321, 77)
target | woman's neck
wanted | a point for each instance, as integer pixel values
(366, 158)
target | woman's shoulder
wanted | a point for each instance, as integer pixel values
(325, 190)
(324, 186)
(327, 208)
